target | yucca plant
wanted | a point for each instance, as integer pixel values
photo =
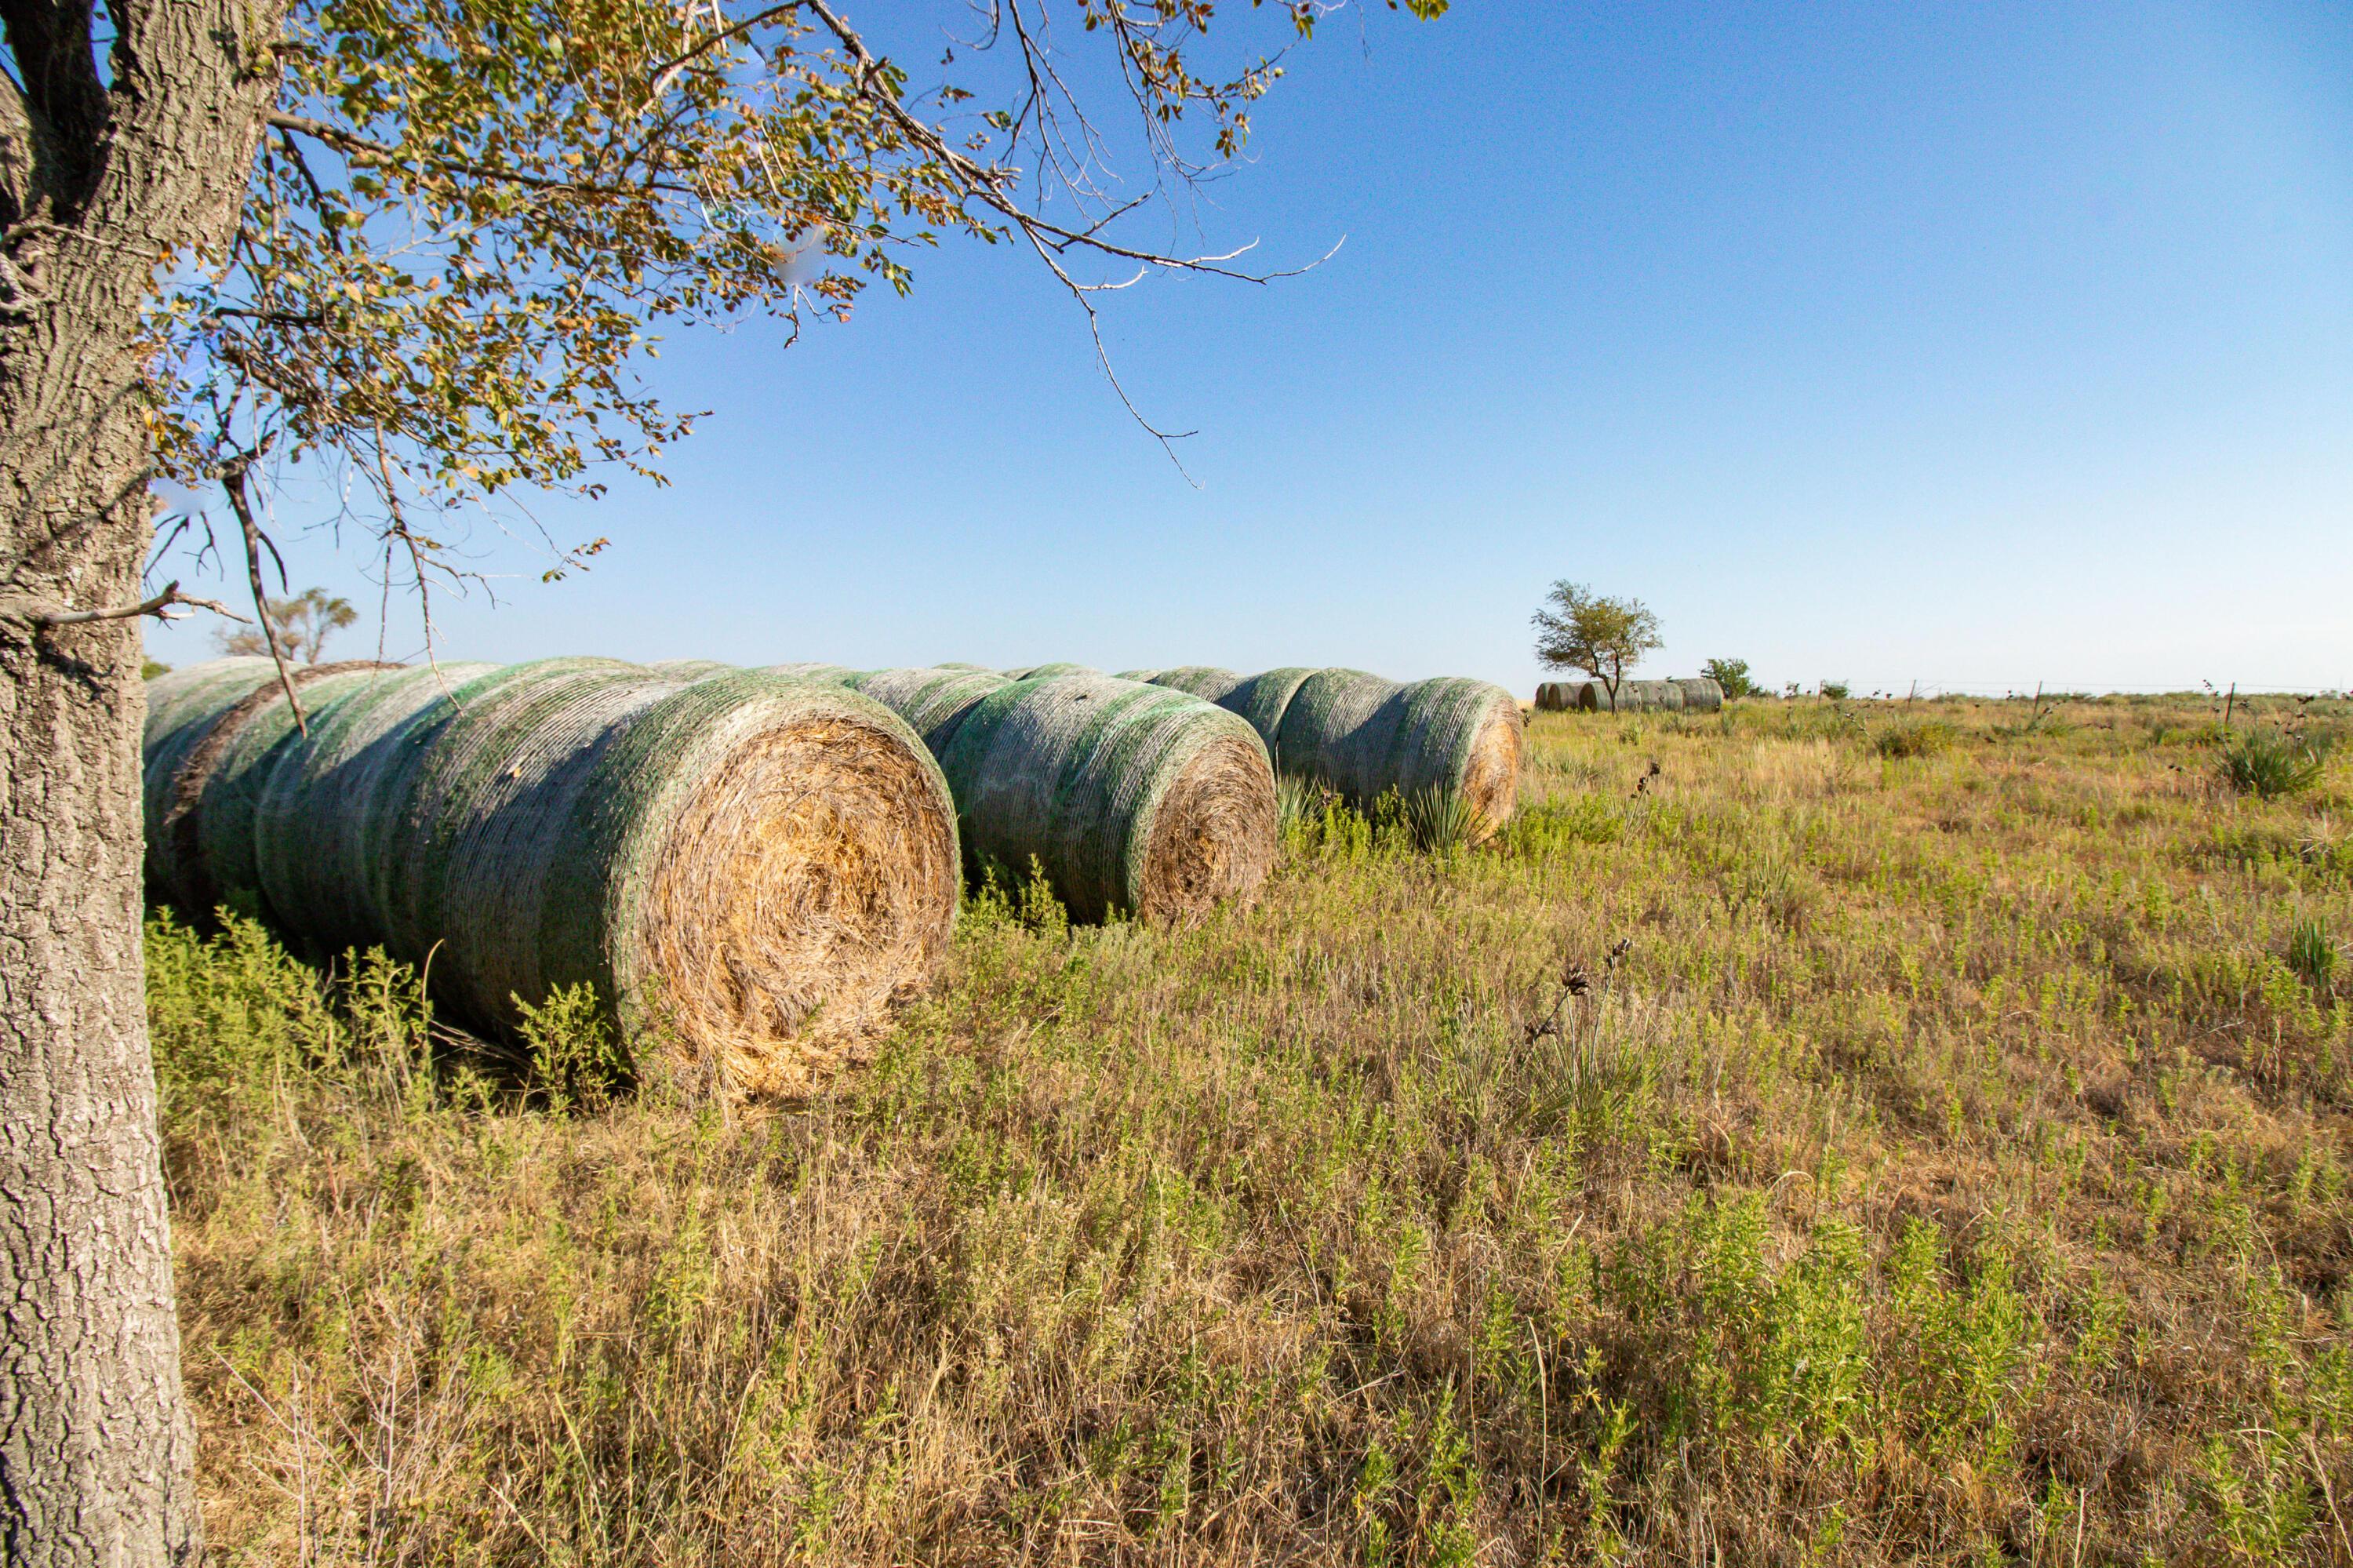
(1441, 817)
(1298, 803)
(2311, 954)
(2269, 763)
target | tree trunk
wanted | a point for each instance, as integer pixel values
(102, 178)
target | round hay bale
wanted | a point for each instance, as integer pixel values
(753, 868)
(932, 701)
(960, 666)
(183, 707)
(1134, 798)
(1046, 672)
(1206, 682)
(688, 668)
(1142, 676)
(1589, 697)
(1701, 694)
(1363, 735)
(200, 849)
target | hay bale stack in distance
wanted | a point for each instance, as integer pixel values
(1561, 696)
(755, 867)
(1134, 799)
(1362, 736)
(1701, 694)
(1143, 675)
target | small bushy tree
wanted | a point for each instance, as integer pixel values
(1732, 674)
(1578, 628)
(302, 624)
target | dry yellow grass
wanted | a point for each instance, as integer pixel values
(1945, 1159)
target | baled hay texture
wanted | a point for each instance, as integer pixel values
(959, 665)
(203, 847)
(752, 868)
(1591, 697)
(1701, 694)
(688, 668)
(182, 706)
(1143, 675)
(1133, 798)
(933, 700)
(1206, 682)
(1662, 696)
(1046, 672)
(805, 885)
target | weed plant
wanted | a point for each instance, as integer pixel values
(2272, 763)
(1799, 1161)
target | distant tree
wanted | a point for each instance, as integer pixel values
(1836, 691)
(1732, 674)
(1582, 630)
(302, 623)
(151, 668)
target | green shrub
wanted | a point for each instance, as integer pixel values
(1925, 738)
(1836, 691)
(2271, 763)
(1732, 674)
(1545, 830)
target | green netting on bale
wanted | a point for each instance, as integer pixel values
(1133, 798)
(201, 851)
(758, 864)
(1047, 672)
(1362, 736)
(1701, 694)
(183, 707)
(1206, 682)
(1263, 699)
(934, 700)
(830, 674)
(1143, 675)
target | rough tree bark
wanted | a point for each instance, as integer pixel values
(105, 171)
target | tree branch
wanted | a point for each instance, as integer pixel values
(29, 612)
(345, 140)
(233, 481)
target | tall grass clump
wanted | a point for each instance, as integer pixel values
(2311, 954)
(1924, 737)
(2269, 764)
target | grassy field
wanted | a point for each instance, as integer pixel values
(1941, 1154)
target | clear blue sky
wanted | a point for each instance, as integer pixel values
(1976, 344)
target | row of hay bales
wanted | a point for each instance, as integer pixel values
(749, 867)
(1362, 736)
(753, 864)
(1697, 695)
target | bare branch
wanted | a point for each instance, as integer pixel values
(233, 481)
(164, 606)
